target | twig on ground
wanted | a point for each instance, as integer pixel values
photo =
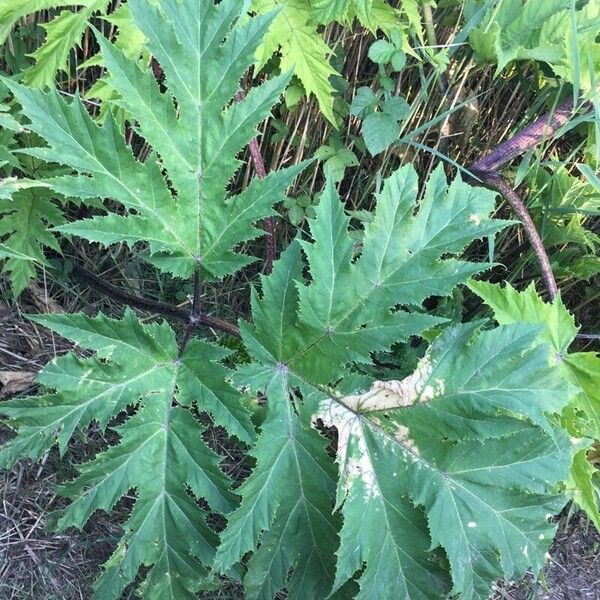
(162, 308)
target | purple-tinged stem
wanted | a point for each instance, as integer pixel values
(496, 182)
(487, 170)
(261, 173)
(541, 129)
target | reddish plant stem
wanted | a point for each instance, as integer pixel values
(261, 173)
(541, 129)
(486, 169)
(496, 182)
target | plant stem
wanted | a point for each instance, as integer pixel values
(195, 315)
(261, 173)
(429, 26)
(486, 169)
(498, 183)
(540, 130)
(161, 308)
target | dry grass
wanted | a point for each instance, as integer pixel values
(38, 565)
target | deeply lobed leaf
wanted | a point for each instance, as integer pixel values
(472, 394)
(186, 217)
(160, 455)
(24, 219)
(454, 439)
(581, 418)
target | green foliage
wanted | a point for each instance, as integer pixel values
(336, 159)
(24, 221)
(404, 439)
(295, 34)
(581, 418)
(380, 127)
(197, 226)
(63, 32)
(300, 208)
(160, 454)
(380, 111)
(383, 52)
(562, 204)
(302, 49)
(433, 484)
(130, 40)
(433, 441)
(548, 31)
(188, 223)
(27, 207)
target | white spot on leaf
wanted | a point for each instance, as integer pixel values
(399, 393)
(353, 454)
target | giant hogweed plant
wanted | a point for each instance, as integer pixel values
(441, 482)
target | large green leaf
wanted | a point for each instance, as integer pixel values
(286, 503)
(582, 369)
(487, 501)
(307, 333)
(406, 257)
(160, 454)
(187, 217)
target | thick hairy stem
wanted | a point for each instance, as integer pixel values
(195, 315)
(487, 170)
(496, 182)
(540, 130)
(161, 308)
(261, 173)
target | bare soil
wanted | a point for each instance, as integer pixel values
(573, 571)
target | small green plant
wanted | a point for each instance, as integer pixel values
(563, 203)
(381, 111)
(336, 158)
(300, 208)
